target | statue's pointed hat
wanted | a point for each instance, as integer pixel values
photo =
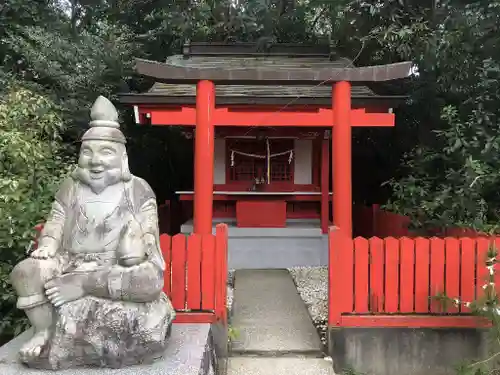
(104, 124)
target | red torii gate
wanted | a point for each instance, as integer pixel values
(206, 114)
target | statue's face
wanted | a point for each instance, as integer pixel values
(100, 163)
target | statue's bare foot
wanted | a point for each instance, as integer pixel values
(33, 348)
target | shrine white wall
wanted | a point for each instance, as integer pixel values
(303, 149)
(220, 161)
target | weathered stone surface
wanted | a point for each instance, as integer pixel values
(279, 366)
(185, 354)
(270, 316)
(92, 290)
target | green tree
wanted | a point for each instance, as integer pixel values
(452, 174)
(31, 168)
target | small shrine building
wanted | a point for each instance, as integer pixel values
(272, 141)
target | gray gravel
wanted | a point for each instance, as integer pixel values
(312, 285)
(230, 292)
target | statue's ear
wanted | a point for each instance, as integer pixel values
(126, 175)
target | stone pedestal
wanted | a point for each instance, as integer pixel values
(189, 352)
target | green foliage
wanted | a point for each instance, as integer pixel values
(31, 168)
(450, 177)
(488, 306)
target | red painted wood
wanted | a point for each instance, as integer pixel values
(467, 272)
(416, 321)
(340, 276)
(208, 272)
(334, 268)
(204, 157)
(407, 275)
(361, 282)
(316, 161)
(482, 275)
(232, 197)
(257, 213)
(179, 271)
(391, 275)
(306, 210)
(186, 116)
(276, 186)
(437, 253)
(165, 246)
(452, 269)
(312, 133)
(221, 272)
(325, 184)
(422, 277)
(377, 260)
(194, 286)
(341, 157)
(195, 317)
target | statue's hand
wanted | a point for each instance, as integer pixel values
(44, 252)
(65, 288)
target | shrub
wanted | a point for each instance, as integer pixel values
(32, 165)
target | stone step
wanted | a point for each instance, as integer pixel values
(279, 366)
(189, 352)
(270, 317)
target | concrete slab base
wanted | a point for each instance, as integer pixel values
(396, 351)
(270, 316)
(300, 244)
(189, 352)
(279, 366)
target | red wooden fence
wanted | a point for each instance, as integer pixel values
(369, 221)
(393, 282)
(196, 275)
(373, 221)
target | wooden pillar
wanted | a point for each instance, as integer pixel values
(341, 158)
(325, 185)
(204, 157)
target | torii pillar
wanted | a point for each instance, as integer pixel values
(204, 157)
(341, 158)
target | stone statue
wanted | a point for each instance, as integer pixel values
(92, 290)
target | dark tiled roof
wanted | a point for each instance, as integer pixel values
(266, 70)
(319, 91)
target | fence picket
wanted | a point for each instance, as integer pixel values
(467, 277)
(391, 275)
(452, 272)
(346, 256)
(179, 271)
(376, 274)
(407, 276)
(194, 286)
(437, 273)
(361, 271)
(422, 276)
(208, 272)
(482, 274)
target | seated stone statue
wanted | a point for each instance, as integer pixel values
(92, 290)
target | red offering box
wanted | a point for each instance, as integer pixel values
(259, 214)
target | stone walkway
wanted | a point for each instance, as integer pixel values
(275, 332)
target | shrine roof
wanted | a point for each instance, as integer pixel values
(244, 76)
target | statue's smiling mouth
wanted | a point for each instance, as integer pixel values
(96, 173)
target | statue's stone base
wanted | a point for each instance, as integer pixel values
(189, 352)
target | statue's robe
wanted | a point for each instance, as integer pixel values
(127, 319)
